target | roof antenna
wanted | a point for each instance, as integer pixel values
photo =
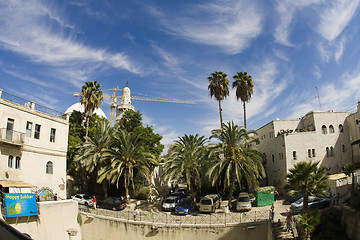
(127, 82)
(318, 97)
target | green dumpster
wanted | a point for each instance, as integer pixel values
(265, 196)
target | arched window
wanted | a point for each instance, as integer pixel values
(324, 129)
(17, 162)
(331, 129)
(343, 148)
(331, 151)
(10, 161)
(49, 167)
(341, 128)
(327, 152)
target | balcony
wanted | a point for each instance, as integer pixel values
(11, 137)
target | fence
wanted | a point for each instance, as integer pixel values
(219, 218)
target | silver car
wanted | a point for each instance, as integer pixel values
(170, 203)
(83, 199)
(243, 202)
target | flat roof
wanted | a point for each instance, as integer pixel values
(337, 176)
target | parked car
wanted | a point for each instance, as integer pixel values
(209, 203)
(179, 195)
(243, 202)
(313, 203)
(112, 203)
(170, 203)
(184, 206)
(84, 199)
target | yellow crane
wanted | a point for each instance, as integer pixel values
(126, 102)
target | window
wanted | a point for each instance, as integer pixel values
(28, 129)
(343, 148)
(52, 135)
(327, 152)
(10, 161)
(37, 131)
(324, 129)
(273, 157)
(294, 155)
(341, 128)
(309, 153)
(9, 129)
(331, 129)
(17, 162)
(313, 152)
(49, 167)
(331, 151)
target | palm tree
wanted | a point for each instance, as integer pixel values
(244, 89)
(307, 179)
(92, 150)
(349, 170)
(125, 155)
(185, 159)
(307, 223)
(219, 87)
(91, 98)
(238, 162)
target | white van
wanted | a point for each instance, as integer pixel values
(209, 203)
(243, 202)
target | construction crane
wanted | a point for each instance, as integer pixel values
(125, 103)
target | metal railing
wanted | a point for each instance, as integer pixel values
(28, 104)
(165, 218)
(11, 136)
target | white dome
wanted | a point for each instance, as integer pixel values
(80, 108)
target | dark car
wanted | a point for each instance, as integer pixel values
(313, 203)
(180, 195)
(112, 203)
(184, 206)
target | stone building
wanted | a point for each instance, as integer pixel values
(33, 147)
(318, 136)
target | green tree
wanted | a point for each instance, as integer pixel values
(219, 88)
(244, 89)
(237, 162)
(349, 170)
(75, 137)
(307, 179)
(307, 223)
(91, 98)
(185, 159)
(131, 122)
(92, 150)
(125, 155)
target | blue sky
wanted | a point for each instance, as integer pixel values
(48, 49)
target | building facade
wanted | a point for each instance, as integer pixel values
(318, 136)
(33, 146)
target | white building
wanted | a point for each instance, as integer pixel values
(318, 136)
(33, 147)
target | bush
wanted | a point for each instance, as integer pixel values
(140, 192)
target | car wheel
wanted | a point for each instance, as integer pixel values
(86, 204)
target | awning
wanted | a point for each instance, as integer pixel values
(14, 183)
(356, 142)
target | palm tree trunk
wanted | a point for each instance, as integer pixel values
(220, 110)
(305, 203)
(87, 127)
(126, 186)
(104, 185)
(244, 114)
(231, 189)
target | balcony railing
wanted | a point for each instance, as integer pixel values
(11, 136)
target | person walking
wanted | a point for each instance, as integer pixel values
(136, 212)
(288, 222)
(272, 210)
(94, 202)
(55, 197)
(276, 194)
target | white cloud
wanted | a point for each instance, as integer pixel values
(26, 77)
(335, 18)
(27, 29)
(230, 25)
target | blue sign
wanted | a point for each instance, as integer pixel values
(20, 204)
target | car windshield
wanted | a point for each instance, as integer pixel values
(185, 203)
(299, 201)
(206, 201)
(87, 197)
(243, 199)
(169, 200)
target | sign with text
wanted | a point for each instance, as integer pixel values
(20, 204)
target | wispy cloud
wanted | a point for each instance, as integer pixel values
(229, 25)
(34, 38)
(334, 18)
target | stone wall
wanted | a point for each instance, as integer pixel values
(101, 227)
